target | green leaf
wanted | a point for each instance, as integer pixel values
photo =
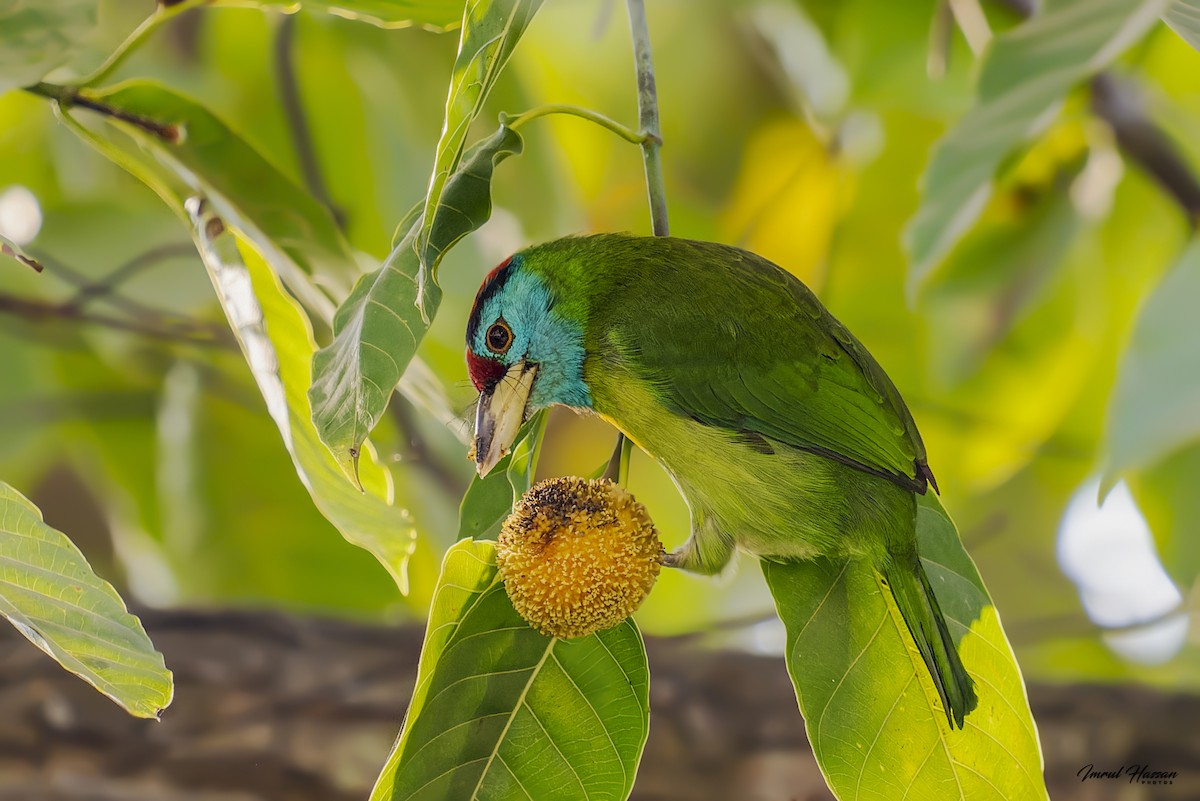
(36, 36)
(379, 326)
(296, 233)
(277, 341)
(489, 500)
(503, 712)
(438, 15)
(485, 504)
(49, 592)
(491, 30)
(1166, 495)
(1183, 17)
(1025, 76)
(1155, 407)
(870, 708)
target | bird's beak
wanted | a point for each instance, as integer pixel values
(500, 415)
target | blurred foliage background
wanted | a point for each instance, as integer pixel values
(797, 130)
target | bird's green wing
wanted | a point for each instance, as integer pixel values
(731, 340)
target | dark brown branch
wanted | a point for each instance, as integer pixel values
(68, 97)
(1022, 8)
(1117, 102)
(40, 311)
(105, 289)
(1142, 142)
(21, 257)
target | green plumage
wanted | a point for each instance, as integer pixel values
(785, 436)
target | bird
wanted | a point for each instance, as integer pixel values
(784, 435)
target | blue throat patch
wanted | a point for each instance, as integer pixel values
(540, 336)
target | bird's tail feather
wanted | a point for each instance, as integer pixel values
(919, 608)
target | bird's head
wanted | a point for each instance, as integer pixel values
(523, 353)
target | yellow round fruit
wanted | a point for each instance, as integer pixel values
(578, 556)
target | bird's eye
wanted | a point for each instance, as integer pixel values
(499, 337)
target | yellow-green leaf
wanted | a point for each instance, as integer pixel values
(277, 341)
(49, 592)
(872, 713)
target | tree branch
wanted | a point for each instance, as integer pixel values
(1142, 142)
(68, 97)
(1116, 102)
(39, 311)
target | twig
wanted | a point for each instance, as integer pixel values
(23, 258)
(1147, 145)
(648, 117)
(105, 288)
(973, 23)
(36, 311)
(293, 109)
(618, 465)
(67, 97)
(629, 135)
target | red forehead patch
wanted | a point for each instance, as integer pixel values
(485, 373)
(495, 270)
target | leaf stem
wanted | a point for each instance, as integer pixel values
(648, 117)
(162, 13)
(628, 134)
(618, 465)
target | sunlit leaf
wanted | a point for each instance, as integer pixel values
(1025, 76)
(276, 339)
(379, 326)
(491, 30)
(1155, 407)
(869, 705)
(37, 36)
(503, 712)
(296, 233)
(49, 592)
(1183, 17)
(433, 14)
